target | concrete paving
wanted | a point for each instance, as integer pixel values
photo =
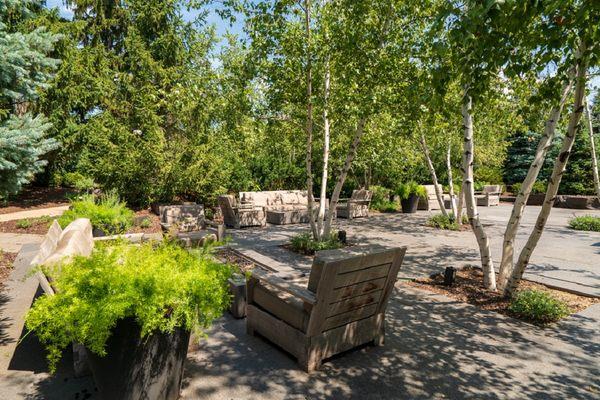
(435, 348)
(563, 258)
(12, 242)
(40, 212)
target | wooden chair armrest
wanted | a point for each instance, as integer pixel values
(359, 201)
(286, 286)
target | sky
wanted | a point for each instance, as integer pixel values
(213, 18)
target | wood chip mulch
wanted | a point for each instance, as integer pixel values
(154, 222)
(32, 198)
(468, 288)
(36, 226)
(228, 256)
(6, 266)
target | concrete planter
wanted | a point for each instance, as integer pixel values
(536, 199)
(140, 368)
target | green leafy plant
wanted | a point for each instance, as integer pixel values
(305, 243)
(77, 181)
(538, 306)
(106, 212)
(405, 190)
(441, 221)
(537, 188)
(585, 223)
(381, 199)
(145, 223)
(161, 285)
(23, 224)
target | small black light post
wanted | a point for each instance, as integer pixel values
(449, 276)
(342, 236)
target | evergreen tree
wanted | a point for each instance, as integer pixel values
(24, 68)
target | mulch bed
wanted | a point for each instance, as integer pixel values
(39, 226)
(468, 288)
(32, 198)
(154, 222)
(6, 266)
(228, 256)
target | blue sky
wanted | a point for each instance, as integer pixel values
(213, 18)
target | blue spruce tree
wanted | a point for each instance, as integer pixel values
(25, 67)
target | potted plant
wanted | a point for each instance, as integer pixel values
(409, 194)
(133, 308)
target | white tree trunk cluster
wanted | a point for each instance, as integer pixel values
(588, 116)
(438, 193)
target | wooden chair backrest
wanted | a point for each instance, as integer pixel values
(362, 194)
(351, 284)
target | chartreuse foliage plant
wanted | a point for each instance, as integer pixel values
(381, 199)
(405, 190)
(538, 306)
(585, 223)
(106, 212)
(161, 285)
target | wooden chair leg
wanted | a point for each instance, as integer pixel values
(310, 360)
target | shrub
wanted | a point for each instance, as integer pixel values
(585, 223)
(537, 188)
(381, 196)
(538, 306)
(405, 190)
(441, 221)
(106, 212)
(77, 181)
(23, 224)
(162, 286)
(145, 223)
(306, 244)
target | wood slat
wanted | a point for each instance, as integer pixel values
(359, 289)
(354, 303)
(350, 316)
(367, 274)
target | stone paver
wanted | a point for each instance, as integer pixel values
(40, 212)
(12, 242)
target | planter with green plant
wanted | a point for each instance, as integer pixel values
(108, 214)
(133, 308)
(409, 194)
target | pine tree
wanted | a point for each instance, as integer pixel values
(24, 68)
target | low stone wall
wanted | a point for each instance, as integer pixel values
(562, 201)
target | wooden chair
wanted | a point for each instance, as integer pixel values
(241, 215)
(343, 305)
(430, 202)
(356, 206)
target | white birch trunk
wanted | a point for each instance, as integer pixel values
(431, 168)
(460, 206)
(559, 168)
(309, 123)
(451, 183)
(545, 143)
(487, 264)
(326, 138)
(588, 115)
(360, 129)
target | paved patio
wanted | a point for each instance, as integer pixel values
(564, 257)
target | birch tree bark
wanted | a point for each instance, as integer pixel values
(326, 139)
(309, 122)
(451, 183)
(487, 264)
(460, 206)
(545, 143)
(358, 134)
(431, 168)
(559, 168)
(588, 116)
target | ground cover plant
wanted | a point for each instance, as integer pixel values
(585, 223)
(161, 285)
(447, 222)
(304, 243)
(106, 212)
(380, 200)
(538, 306)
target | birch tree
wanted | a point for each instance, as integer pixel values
(588, 117)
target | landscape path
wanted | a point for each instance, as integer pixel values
(35, 213)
